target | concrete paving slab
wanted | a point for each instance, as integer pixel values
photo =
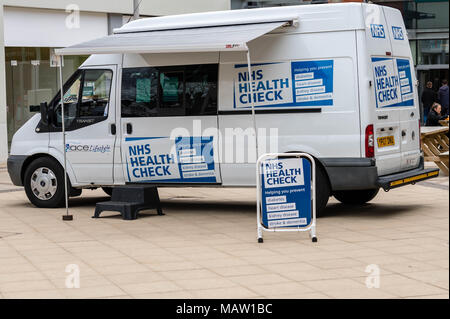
(205, 247)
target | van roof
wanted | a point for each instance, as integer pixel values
(311, 18)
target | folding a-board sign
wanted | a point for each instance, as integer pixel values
(286, 184)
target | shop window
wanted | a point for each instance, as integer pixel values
(432, 14)
(433, 51)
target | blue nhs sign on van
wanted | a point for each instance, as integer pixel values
(377, 31)
(397, 32)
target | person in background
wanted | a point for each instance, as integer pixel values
(443, 97)
(435, 116)
(428, 98)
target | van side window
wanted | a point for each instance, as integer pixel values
(87, 96)
(95, 94)
(169, 91)
(201, 89)
(139, 92)
(172, 93)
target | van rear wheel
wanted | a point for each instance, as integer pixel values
(44, 183)
(323, 190)
(356, 197)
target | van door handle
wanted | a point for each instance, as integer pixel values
(403, 133)
(412, 114)
(129, 128)
(113, 129)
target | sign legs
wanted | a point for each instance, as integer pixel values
(313, 233)
(260, 238)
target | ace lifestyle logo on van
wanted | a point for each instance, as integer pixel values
(87, 148)
(278, 84)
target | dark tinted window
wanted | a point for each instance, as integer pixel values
(139, 92)
(169, 91)
(171, 99)
(201, 89)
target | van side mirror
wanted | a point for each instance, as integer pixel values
(44, 113)
(35, 108)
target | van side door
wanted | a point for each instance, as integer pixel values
(89, 107)
(169, 124)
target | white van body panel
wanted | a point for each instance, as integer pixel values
(302, 132)
(342, 42)
(26, 141)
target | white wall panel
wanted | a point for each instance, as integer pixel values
(24, 27)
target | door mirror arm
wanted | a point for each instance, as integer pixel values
(44, 113)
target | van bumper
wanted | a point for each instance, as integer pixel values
(389, 182)
(351, 173)
(361, 173)
(15, 164)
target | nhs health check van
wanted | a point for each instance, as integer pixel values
(193, 100)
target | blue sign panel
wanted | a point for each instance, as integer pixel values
(377, 31)
(286, 192)
(284, 84)
(406, 85)
(162, 159)
(313, 82)
(392, 82)
(397, 32)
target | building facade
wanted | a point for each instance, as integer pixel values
(30, 30)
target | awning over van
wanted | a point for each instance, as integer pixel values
(206, 39)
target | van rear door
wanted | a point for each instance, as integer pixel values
(409, 111)
(396, 119)
(385, 116)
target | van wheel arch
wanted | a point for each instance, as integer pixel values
(32, 158)
(29, 160)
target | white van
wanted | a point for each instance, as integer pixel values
(335, 81)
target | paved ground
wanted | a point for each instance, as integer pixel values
(205, 247)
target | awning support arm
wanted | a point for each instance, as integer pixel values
(63, 124)
(252, 98)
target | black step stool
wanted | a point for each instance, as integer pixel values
(129, 200)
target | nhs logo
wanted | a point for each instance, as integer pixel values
(398, 33)
(377, 31)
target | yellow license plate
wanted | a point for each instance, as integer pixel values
(385, 141)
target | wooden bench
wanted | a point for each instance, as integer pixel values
(435, 146)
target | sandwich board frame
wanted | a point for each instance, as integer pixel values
(311, 227)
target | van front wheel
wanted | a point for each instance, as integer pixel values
(356, 197)
(44, 183)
